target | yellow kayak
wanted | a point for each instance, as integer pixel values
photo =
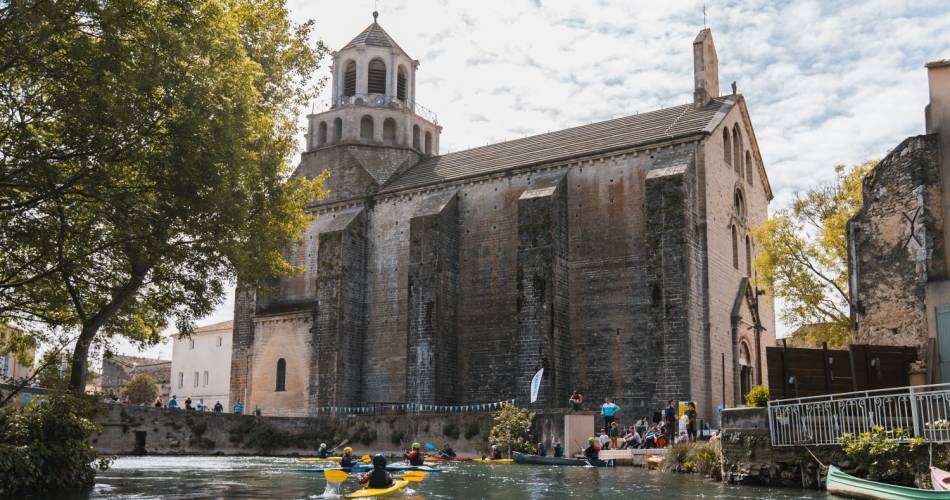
(314, 459)
(397, 486)
(496, 461)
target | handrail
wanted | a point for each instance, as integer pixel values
(375, 101)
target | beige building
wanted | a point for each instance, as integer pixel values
(201, 365)
(117, 370)
(10, 368)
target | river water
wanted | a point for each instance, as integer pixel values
(270, 478)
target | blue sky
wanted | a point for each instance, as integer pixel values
(826, 82)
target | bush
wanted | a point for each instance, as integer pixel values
(44, 448)
(677, 458)
(757, 397)
(706, 459)
(512, 429)
(140, 389)
(886, 456)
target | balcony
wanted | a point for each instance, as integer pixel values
(375, 101)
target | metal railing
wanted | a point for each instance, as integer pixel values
(924, 411)
(375, 101)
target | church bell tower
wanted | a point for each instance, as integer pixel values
(373, 100)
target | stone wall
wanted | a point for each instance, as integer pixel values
(187, 432)
(900, 223)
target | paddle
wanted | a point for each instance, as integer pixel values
(366, 459)
(413, 476)
(341, 444)
(335, 476)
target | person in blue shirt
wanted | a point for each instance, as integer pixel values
(237, 409)
(609, 409)
(201, 405)
(558, 449)
(173, 403)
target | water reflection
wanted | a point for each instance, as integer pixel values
(269, 478)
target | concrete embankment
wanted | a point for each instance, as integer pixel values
(134, 429)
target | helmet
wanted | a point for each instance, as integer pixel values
(416, 446)
(379, 461)
(323, 445)
(591, 440)
(494, 446)
(347, 451)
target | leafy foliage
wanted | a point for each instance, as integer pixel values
(512, 429)
(804, 257)
(700, 458)
(887, 456)
(45, 448)
(757, 397)
(144, 151)
(141, 388)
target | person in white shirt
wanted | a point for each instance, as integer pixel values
(683, 435)
(632, 438)
(604, 440)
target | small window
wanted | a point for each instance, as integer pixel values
(748, 256)
(415, 137)
(428, 149)
(401, 84)
(220, 341)
(349, 79)
(376, 77)
(735, 248)
(322, 134)
(726, 147)
(205, 384)
(337, 130)
(739, 204)
(389, 131)
(748, 167)
(281, 375)
(196, 379)
(366, 127)
(737, 150)
(181, 379)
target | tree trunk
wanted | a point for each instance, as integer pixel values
(80, 362)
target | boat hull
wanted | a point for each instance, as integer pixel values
(940, 479)
(524, 458)
(319, 460)
(395, 468)
(494, 461)
(843, 484)
(397, 486)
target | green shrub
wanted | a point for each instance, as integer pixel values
(886, 456)
(706, 459)
(141, 389)
(44, 448)
(757, 397)
(512, 429)
(677, 458)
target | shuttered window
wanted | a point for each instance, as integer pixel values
(376, 77)
(349, 79)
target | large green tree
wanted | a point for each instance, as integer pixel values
(804, 257)
(144, 149)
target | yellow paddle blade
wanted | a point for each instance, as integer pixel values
(414, 476)
(335, 476)
(366, 459)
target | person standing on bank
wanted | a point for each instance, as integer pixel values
(576, 400)
(691, 413)
(609, 409)
(669, 418)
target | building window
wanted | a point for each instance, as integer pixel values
(205, 380)
(349, 79)
(748, 167)
(281, 375)
(737, 150)
(735, 248)
(401, 84)
(196, 379)
(389, 131)
(748, 256)
(739, 204)
(181, 379)
(745, 370)
(6, 364)
(366, 127)
(726, 147)
(428, 149)
(322, 134)
(376, 77)
(220, 341)
(337, 130)
(415, 137)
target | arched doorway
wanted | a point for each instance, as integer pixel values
(745, 370)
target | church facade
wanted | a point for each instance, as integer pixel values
(616, 255)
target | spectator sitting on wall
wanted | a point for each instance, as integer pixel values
(576, 400)
(641, 426)
(173, 403)
(603, 439)
(558, 449)
(201, 405)
(632, 438)
(237, 408)
(609, 409)
(158, 403)
(188, 404)
(218, 408)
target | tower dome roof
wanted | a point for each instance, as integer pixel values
(374, 36)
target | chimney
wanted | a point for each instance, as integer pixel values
(705, 69)
(937, 118)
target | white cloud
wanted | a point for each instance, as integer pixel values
(827, 82)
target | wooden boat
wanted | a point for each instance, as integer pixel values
(319, 460)
(397, 486)
(524, 458)
(846, 485)
(940, 479)
(494, 461)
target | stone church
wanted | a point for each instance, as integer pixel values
(615, 255)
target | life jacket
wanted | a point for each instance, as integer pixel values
(323, 453)
(379, 478)
(415, 458)
(347, 461)
(591, 452)
(494, 455)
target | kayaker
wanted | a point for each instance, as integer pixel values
(558, 449)
(542, 451)
(447, 452)
(494, 453)
(415, 456)
(348, 460)
(377, 478)
(593, 450)
(323, 452)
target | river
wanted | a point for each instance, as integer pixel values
(271, 478)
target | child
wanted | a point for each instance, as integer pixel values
(614, 434)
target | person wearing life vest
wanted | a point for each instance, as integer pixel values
(415, 456)
(378, 477)
(348, 459)
(447, 452)
(593, 450)
(323, 452)
(495, 453)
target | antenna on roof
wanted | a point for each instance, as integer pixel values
(375, 11)
(704, 15)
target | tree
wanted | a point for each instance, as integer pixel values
(141, 388)
(512, 429)
(804, 257)
(144, 163)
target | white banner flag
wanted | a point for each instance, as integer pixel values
(536, 385)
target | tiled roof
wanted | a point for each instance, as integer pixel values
(619, 133)
(213, 327)
(375, 36)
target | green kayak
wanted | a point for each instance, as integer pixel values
(846, 485)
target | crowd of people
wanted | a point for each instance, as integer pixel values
(173, 404)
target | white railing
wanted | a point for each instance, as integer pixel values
(821, 420)
(375, 101)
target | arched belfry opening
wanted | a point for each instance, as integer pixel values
(349, 79)
(376, 77)
(401, 83)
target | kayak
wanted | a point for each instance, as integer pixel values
(593, 462)
(494, 461)
(319, 460)
(396, 468)
(453, 459)
(940, 479)
(524, 458)
(397, 486)
(844, 484)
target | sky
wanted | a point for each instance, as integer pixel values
(827, 82)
